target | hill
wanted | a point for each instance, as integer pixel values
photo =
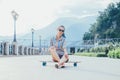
(74, 30)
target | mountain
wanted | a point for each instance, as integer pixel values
(74, 29)
(50, 30)
(5, 38)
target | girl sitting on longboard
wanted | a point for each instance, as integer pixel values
(58, 48)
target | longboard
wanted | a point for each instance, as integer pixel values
(44, 63)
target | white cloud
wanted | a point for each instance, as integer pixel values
(32, 14)
(84, 8)
(103, 3)
(39, 13)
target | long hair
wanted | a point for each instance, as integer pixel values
(63, 35)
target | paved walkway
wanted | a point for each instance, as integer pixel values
(29, 68)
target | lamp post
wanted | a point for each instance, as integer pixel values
(15, 16)
(32, 30)
(95, 39)
(44, 45)
(40, 43)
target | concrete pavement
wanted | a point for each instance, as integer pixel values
(30, 68)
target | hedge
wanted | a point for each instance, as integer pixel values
(114, 53)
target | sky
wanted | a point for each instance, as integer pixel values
(40, 13)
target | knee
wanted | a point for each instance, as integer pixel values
(51, 49)
(66, 56)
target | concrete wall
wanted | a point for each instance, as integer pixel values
(15, 49)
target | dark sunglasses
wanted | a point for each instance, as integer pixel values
(61, 30)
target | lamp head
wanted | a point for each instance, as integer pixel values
(14, 14)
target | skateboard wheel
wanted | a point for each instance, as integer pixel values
(75, 64)
(44, 63)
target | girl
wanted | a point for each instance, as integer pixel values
(58, 48)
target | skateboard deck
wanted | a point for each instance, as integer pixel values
(44, 63)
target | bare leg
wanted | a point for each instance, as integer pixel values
(63, 59)
(54, 54)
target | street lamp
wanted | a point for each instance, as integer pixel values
(40, 43)
(32, 30)
(15, 16)
(44, 45)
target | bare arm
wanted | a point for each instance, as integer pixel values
(65, 50)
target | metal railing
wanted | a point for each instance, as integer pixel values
(24, 47)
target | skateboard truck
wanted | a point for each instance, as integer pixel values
(75, 64)
(44, 63)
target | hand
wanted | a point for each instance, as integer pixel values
(52, 47)
(66, 56)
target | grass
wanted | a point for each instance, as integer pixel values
(91, 54)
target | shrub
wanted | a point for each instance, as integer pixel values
(86, 54)
(114, 53)
(101, 55)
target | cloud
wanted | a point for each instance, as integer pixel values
(0, 1)
(32, 14)
(39, 13)
(83, 7)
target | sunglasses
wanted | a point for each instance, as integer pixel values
(61, 30)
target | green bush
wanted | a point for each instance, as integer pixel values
(118, 53)
(92, 54)
(86, 54)
(98, 49)
(101, 55)
(114, 53)
(111, 47)
(110, 54)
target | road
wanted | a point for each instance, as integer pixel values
(30, 68)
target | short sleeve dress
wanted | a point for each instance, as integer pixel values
(59, 45)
